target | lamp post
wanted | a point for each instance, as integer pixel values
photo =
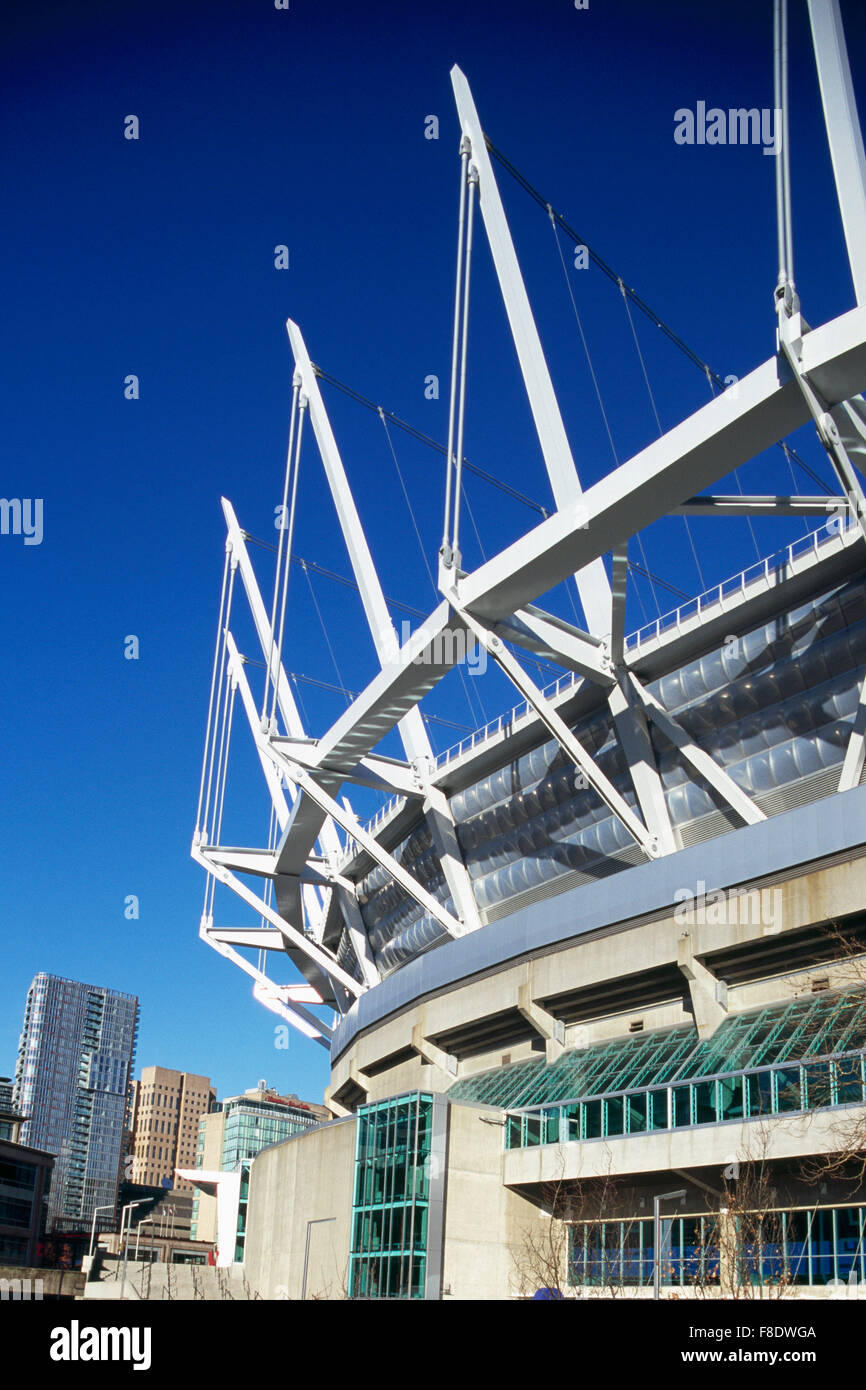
(107, 1206)
(128, 1208)
(657, 1257)
(317, 1221)
(145, 1220)
(170, 1234)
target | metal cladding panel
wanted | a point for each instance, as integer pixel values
(774, 708)
(812, 832)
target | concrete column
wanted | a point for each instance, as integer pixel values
(709, 994)
(550, 1028)
(433, 1054)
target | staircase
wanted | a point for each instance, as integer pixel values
(184, 1282)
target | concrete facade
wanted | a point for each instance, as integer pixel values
(305, 1179)
(710, 954)
(486, 1224)
(818, 895)
(209, 1157)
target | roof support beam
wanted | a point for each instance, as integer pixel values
(386, 774)
(358, 935)
(617, 603)
(702, 762)
(551, 1029)
(587, 765)
(843, 132)
(759, 506)
(236, 668)
(445, 1061)
(592, 582)
(557, 641)
(852, 767)
(634, 736)
(444, 835)
(410, 724)
(349, 822)
(721, 435)
(292, 1012)
(792, 340)
(709, 995)
(317, 827)
(257, 938)
(320, 955)
(724, 433)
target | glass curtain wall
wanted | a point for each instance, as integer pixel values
(391, 1198)
(818, 1246)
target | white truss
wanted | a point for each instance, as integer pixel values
(311, 876)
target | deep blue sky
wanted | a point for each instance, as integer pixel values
(155, 257)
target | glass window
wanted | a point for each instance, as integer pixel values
(822, 1246)
(730, 1098)
(760, 1093)
(592, 1119)
(636, 1108)
(614, 1116)
(658, 1109)
(849, 1244)
(551, 1127)
(849, 1081)
(819, 1087)
(572, 1121)
(682, 1105)
(392, 1174)
(797, 1226)
(788, 1090)
(705, 1102)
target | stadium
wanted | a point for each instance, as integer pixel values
(592, 979)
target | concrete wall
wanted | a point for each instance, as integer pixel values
(486, 1225)
(624, 948)
(771, 1138)
(305, 1178)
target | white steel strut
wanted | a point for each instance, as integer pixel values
(815, 374)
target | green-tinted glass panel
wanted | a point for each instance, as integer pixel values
(819, 1085)
(730, 1098)
(849, 1081)
(389, 1225)
(552, 1127)
(592, 1119)
(572, 1121)
(788, 1091)
(614, 1116)
(761, 1093)
(658, 1109)
(705, 1103)
(636, 1108)
(682, 1105)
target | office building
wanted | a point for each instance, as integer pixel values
(164, 1113)
(10, 1119)
(25, 1180)
(75, 1057)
